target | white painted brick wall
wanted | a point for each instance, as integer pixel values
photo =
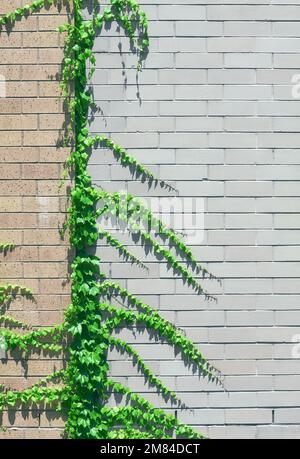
(213, 113)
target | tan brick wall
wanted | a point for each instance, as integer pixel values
(31, 205)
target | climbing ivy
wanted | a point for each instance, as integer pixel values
(82, 390)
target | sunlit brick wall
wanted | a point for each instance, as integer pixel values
(214, 114)
(31, 205)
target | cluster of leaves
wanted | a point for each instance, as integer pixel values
(91, 319)
(26, 10)
(9, 291)
(4, 248)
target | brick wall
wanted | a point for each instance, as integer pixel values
(216, 118)
(213, 114)
(31, 205)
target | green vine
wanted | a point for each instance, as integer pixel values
(83, 389)
(5, 248)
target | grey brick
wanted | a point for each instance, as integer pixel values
(199, 124)
(286, 61)
(248, 60)
(238, 188)
(202, 417)
(248, 156)
(230, 45)
(213, 114)
(181, 108)
(233, 140)
(259, 318)
(248, 253)
(291, 253)
(232, 432)
(231, 400)
(199, 60)
(289, 416)
(183, 140)
(246, 108)
(248, 351)
(285, 29)
(232, 76)
(282, 382)
(172, 76)
(247, 28)
(253, 383)
(248, 124)
(182, 12)
(210, 156)
(250, 416)
(194, 29)
(274, 432)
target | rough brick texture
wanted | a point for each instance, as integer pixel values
(213, 113)
(32, 208)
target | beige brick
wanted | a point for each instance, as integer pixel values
(10, 5)
(20, 419)
(10, 368)
(51, 188)
(37, 319)
(17, 188)
(12, 434)
(10, 204)
(52, 22)
(19, 56)
(8, 270)
(51, 55)
(49, 89)
(42, 237)
(40, 204)
(47, 220)
(17, 382)
(45, 270)
(12, 237)
(40, 40)
(49, 302)
(20, 253)
(18, 221)
(48, 318)
(53, 154)
(42, 434)
(51, 121)
(42, 105)
(26, 25)
(40, 171)
(11, 72)
(40, 138)
(43, 367)
(10, 138)
(55, 286)
(25, 89)
(53, 253)
(29, 283)
(19, 155)
(51, 419)
(10, 171)
(11, 106)
(40, 72)
(13, 40)
(18, 122)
